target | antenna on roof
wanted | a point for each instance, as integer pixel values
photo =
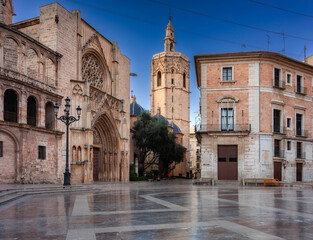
(268, 42)
(284, 50)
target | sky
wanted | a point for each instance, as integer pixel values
(201, 27)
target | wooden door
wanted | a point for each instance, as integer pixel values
(277, 170)
(299, 172)
(227, 162)
(96, 153)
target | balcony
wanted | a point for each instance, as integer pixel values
(277, 153)
(279, 129)
(279, 85)
(300, 155)
(224, 128)
(301, 90)
(301, 133)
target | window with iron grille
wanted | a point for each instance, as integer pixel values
(42, 152)
(276, 121)
(277, 148)
(299, 149)
(288, 78)
(299, 131)
(1, 149)
(277, 77)
(227, 73)
(288, 145)
(299, 84)
(288, 122)
(227, 119)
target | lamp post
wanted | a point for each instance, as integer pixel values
(67, 119)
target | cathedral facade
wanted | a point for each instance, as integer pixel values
(43, 60)
(170, 91)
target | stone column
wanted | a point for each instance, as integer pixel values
(22, 107)
(1, 102)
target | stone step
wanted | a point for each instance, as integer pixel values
(6, 193)
(6, 198)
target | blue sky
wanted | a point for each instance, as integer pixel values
(139, 28)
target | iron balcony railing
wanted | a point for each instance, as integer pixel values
(280, 85)
(301, 133)
(224, 128)
(300, 155)
(301, 90)
(279, 153)
(279, 129)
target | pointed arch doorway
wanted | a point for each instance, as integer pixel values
(106, 166)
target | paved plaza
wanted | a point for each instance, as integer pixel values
(174, 209)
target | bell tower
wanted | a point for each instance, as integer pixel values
(170, 90)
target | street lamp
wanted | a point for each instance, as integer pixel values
(67, 119)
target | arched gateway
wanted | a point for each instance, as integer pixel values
(106, 162)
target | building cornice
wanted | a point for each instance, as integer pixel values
(250, 57)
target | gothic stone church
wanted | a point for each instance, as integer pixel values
(43, 60)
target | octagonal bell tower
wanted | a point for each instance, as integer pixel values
(170, 90)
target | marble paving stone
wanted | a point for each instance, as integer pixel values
(174, 209)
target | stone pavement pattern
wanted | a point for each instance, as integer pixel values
(162, 210)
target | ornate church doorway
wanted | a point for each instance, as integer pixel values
(106, 166)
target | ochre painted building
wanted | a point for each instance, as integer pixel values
(42, 61)
(256, 116)
(170, 91)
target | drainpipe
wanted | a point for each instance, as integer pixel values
(260, 108)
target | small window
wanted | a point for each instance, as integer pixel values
(172, 80)
(159, 79)
(184, 80)
(227, 73)
(222, 159)
(42, 152)
(277, 77)
(288, 122)
(288, 145)
(288, 78)
(172, 98)
(1, 149)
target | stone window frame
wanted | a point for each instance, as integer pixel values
(230, 103)
(1, 148)
(291, 76)
(280, 75)
(300, 74)
(232, 73)
(302, 112)
(289, 128)
(289, 150)
(42, 155)
(277, 106)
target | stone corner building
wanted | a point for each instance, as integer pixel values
(42, 61)
(256, 116)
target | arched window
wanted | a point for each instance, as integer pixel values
(49, 116)
(32, 64)
(159, 79)
(184, 80)
(79, 154)
(73, 154)
(31, 111)
(10, 54)
(10, 106)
